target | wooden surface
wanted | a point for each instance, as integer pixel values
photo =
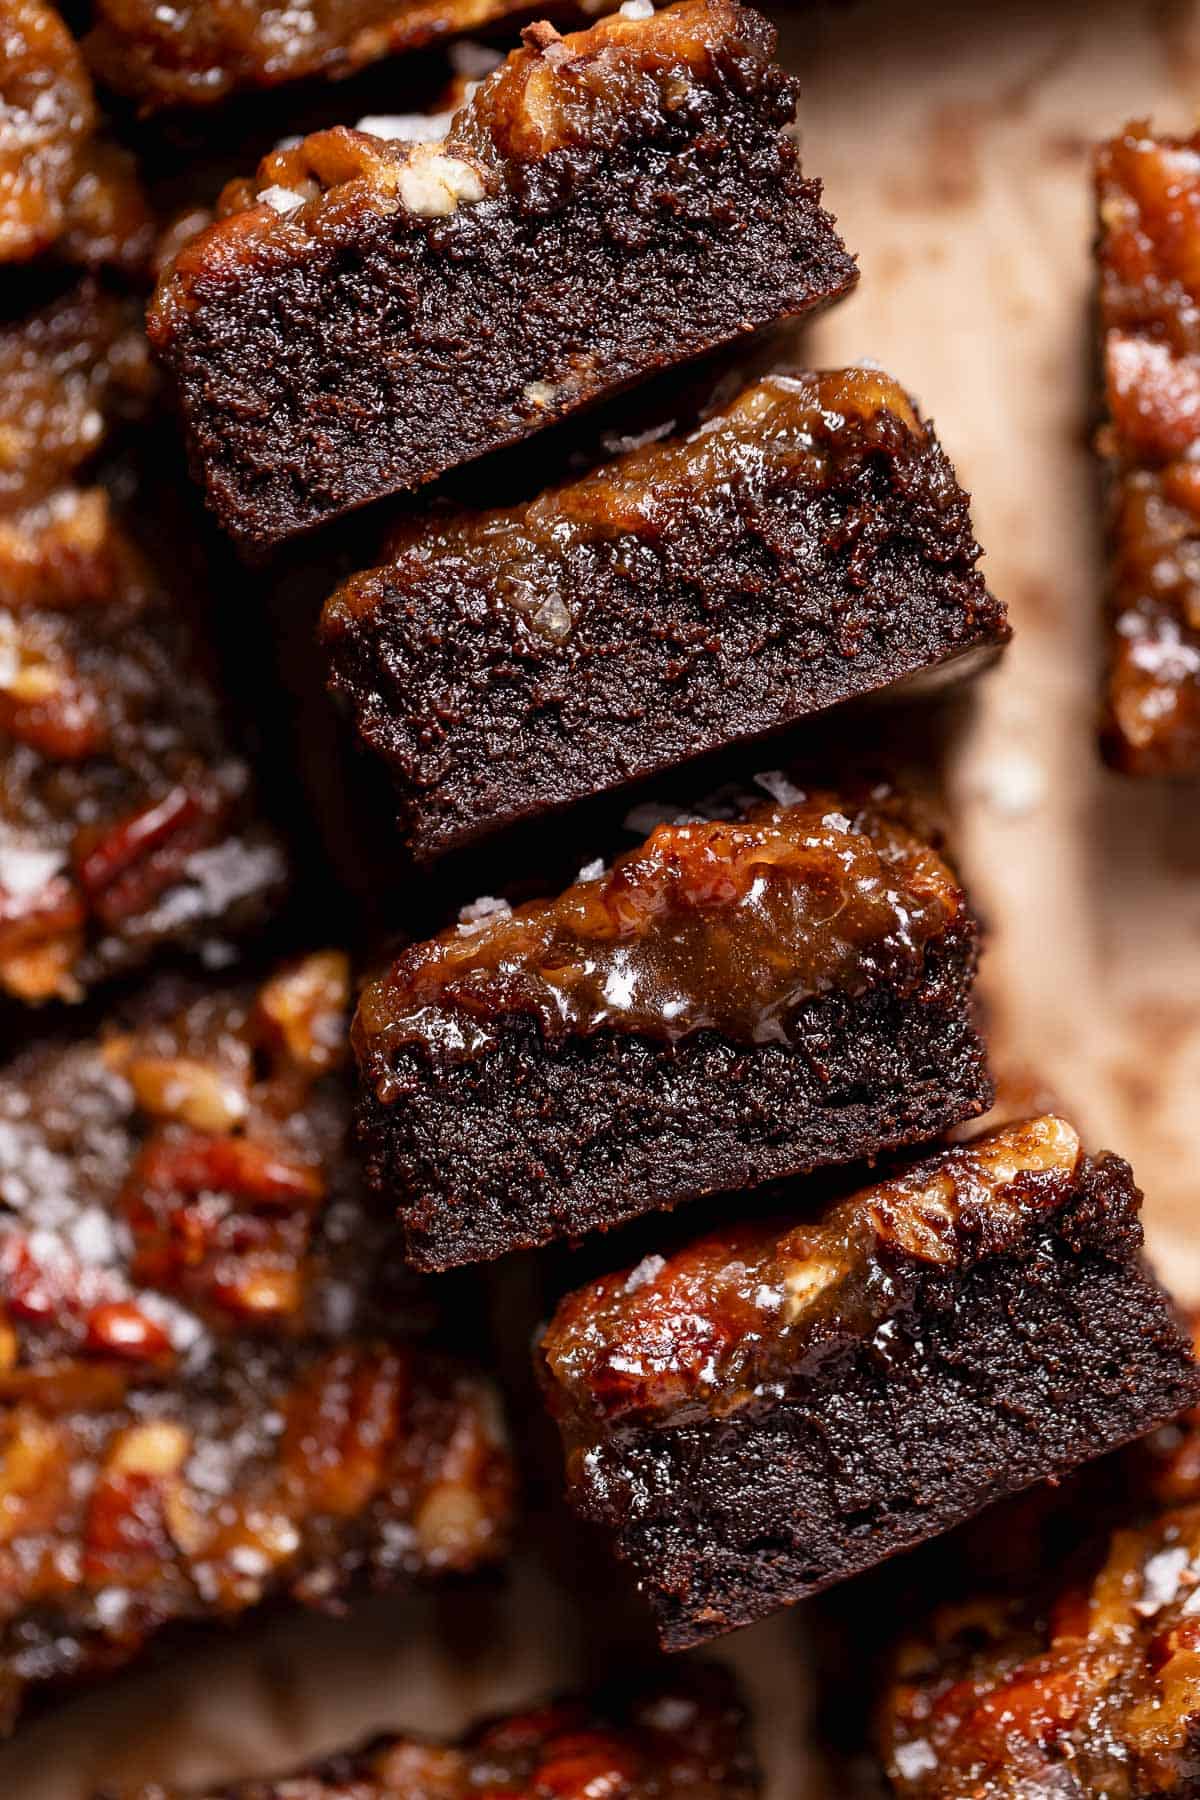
(953, 143)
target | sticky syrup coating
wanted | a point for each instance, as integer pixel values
(590, 90)
(784, 428)
(1148, 191)
(198, 54)
(720, 1324)
(210, 1387)
(126, 821)
(1090, 1688)
(713, 925)
(1095, 1692)
(63, 187)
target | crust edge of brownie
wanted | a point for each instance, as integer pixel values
(1031, 1366)
(786, 260)
(509, 1118)
(483, 721)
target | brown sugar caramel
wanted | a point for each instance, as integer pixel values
(126, 821)
(782, 430)
(1000, 1702)
(720, 1325)
(62, 187)
(212, 1390)
(711, 925)
(781, 1406)
(608, 163)
(69, 373)
(804, 545)
(194, 55)
(1148, 192)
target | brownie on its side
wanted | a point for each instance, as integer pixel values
(211, 1388)
(127, 822)
(684, 1737)
(63, 187)
(805, 544)
(197, 54)
(1148, 190)
(604, 205)
(734, 1000)
(784, 1404)
(1085, 1685)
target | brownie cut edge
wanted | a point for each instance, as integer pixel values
(604, 205)
(1024, 1336)
(806, 544)
(733, 1002)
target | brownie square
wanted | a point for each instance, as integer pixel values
(1077, 1674)
(805, 544)
(216, 1389)
(604, 205)
(790, 1401)
(735, 1000)
(681, 1737)
(1148, 254)
(198, 55)
(129, 825)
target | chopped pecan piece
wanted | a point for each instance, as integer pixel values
(61, 187)
(211, 1388)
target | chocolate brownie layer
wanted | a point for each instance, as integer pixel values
(806, 543)
(667, 1739)
(1082, 1681)
(213, 1391)
(604, 205)
(945, 1339)
(733, 1002)
(1148, 193)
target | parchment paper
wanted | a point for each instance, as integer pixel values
(952, 139)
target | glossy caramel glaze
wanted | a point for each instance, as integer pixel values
(682, 1737)
(1149, 256)
(727, 1321)
(207, 1395)
(125, 819)
(714, 925)
(1087, 1688)
(785, 429)
(197, 53)
(69, 374)
(62, 187)
(1094, 1692)
(591, 90)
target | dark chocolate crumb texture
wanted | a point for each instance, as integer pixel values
(667, 1739)
(212, 1392)
(805, 544)
(734, 1000)
(1086, 1686)
(604, 205)
(1148, 192)
(784, 1404)
(128, 824)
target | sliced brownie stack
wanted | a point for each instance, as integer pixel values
(765, 987)
(220, 1343)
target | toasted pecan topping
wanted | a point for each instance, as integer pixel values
(713, 925)
(721, 1324)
